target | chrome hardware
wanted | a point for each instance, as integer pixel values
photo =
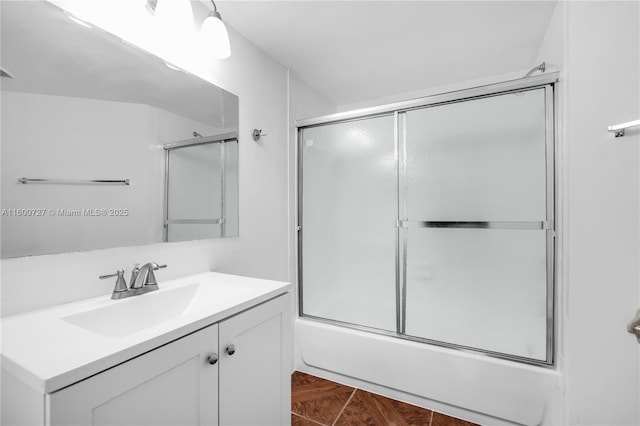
(212, 359)
(634, 326)
(475, 225)
(194, 221)
(134, 272)
(142, 281)
(151, 6)
(75, 182)
(145, 278)
(256, 134)
(231, 349)
(120, 288)
(542, 67)
(618, 129)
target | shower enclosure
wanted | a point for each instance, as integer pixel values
(433, 220)
(201, 188)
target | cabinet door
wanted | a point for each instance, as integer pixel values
(255, 375)
(172, 385)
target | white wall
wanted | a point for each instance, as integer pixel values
(261, 250)
(596, 46)
(602, 289)
(429, 91)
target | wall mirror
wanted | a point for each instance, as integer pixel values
(79, 105)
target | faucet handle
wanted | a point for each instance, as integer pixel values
(121, 284)
(151, 277)
(134, 273)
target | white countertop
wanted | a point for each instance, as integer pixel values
(48, 352)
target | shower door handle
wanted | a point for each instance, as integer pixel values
(634, 326)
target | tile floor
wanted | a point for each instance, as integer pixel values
(316, 401)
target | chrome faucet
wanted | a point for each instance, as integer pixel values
(143, 280)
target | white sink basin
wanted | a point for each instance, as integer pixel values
(88, 336)
(121, 318)
(136, 313)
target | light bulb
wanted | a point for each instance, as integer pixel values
(214, 37)
(175, 17)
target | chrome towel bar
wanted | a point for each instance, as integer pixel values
(194, 221)
(619, 129)
(75, 182)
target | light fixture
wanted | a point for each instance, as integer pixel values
(214, 35)
(151, 6)
(175, 18)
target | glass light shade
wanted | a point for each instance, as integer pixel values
(174, 31)
(214, 37)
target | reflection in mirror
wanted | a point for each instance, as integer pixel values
(83, 105)
(200, 188)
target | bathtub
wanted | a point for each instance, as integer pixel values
(466, 385)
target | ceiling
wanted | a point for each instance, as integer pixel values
(353, 51)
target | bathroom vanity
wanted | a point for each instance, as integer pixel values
(206, 349)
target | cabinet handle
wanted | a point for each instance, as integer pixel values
(231, 349)
(212, 359)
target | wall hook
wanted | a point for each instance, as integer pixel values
(256, 134)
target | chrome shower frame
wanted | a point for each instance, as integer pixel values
(222, 139)
(547, 81)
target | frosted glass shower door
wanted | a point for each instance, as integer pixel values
(194, 188)
(348, 213)
(474, 230)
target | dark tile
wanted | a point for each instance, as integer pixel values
(296, 420)
(317, 399)
(370, 409)
(444, 420)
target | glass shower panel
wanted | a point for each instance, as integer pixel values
(479, 160)
(188, 232)
(474, 214)
(193, 191)
(231, 173)
(480, 288)
(348, 215)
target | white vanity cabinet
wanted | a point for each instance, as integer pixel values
(171, 385)
(181, 383)
(255, 381)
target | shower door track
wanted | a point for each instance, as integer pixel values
(397, 109)
(443, 98)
